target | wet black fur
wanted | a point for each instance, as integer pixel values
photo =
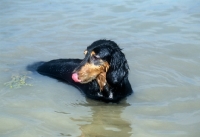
(118, 86)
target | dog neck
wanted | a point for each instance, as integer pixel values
(101, 80)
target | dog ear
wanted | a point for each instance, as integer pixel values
(118, 68)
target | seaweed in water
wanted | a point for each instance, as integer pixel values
(18, 81)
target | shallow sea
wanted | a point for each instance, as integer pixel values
(161, 41)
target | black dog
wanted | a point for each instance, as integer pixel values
(101, 75)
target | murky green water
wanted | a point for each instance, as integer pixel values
(161, 40)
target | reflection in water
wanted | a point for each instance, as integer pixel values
(106, 120)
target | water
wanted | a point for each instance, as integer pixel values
(159, 38)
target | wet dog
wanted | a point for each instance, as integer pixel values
(101, 75)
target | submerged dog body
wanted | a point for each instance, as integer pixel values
(101, 75)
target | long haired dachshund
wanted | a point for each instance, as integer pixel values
(101, 75)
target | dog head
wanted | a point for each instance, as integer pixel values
(104, 62)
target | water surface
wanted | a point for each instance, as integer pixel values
(159, 38)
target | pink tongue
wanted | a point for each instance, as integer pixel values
(75, 77)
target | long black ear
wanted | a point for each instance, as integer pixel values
(118, 68)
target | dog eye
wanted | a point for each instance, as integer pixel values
(95, 58)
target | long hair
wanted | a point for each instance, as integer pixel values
(119, 68)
